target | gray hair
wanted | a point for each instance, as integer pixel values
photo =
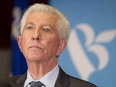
(62, 25)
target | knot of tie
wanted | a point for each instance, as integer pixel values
(36, 84)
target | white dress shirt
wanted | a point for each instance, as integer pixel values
(48, 80)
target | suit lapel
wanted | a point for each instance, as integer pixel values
(20, 82)
(62, 80)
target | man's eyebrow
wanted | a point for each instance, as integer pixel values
(48, 25)
(30, 23)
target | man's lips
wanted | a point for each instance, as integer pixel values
(34, 46)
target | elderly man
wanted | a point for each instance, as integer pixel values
(44, 35)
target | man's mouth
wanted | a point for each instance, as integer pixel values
(35, 47)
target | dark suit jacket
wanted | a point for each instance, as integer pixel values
(63, 80)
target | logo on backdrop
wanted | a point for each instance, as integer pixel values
(93, 44)
(16, 23)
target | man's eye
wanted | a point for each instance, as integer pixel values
(47, 30)
(29, 27)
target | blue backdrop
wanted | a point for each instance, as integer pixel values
(91, 50)
(18, 61)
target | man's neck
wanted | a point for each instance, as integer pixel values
(39, 69)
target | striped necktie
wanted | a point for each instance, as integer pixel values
(36, 84)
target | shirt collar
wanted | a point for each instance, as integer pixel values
(48, 80)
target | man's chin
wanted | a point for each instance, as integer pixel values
(34, 58)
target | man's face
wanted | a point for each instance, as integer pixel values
(40, 39)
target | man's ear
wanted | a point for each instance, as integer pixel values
(62, 45)
(19, 42)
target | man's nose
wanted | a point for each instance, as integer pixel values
(36, 34)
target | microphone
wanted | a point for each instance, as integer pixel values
(5, 84)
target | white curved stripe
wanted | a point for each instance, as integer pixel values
(88, 32)
(16, 22)
(106, 36)
(81, 62)
(101, 53)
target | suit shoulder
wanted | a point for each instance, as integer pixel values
(8, 82)
(71, 81)
(81, 83)
(10, 79)
(13, 78)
